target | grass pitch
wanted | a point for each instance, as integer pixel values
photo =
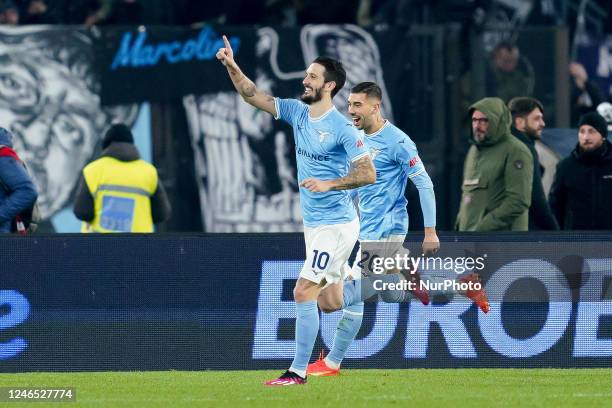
(353, 388)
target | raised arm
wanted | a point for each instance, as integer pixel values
(362, 172)
(245, 87)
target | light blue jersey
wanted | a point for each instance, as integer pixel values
(382, 205)
(324, 147)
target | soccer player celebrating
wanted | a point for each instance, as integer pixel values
(325, 142)
(384, 221)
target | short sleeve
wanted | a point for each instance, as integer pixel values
(353, 143)
(287, 109)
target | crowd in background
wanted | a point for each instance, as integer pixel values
(509, 74)
(502, 179)
(286, 12)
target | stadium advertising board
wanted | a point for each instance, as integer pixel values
(225, 302)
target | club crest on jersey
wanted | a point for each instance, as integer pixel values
(413, 162)
(374, 152)
(322, 135)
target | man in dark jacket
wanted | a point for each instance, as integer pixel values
(528, 123)
(581, 194)
(120, 192)
(497, 174)
(17, 191)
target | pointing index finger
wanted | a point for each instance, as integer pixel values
(226, 42)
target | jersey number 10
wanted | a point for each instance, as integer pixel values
(320, 260)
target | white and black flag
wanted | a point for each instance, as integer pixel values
(244, 158)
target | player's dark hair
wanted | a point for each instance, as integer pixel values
(369, 88)
(334, 71)
(522, 106)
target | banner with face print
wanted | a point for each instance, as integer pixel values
(49, 100)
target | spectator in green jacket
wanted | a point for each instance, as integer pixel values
(497, 174)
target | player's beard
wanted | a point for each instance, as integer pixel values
(315, 96)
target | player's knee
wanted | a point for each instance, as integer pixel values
(330, 307)
(327, 305)
(298, 294)
(301, 293)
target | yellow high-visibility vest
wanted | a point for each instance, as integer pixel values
(122, 195)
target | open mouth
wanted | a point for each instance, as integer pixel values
(356, 121)
(307, 90)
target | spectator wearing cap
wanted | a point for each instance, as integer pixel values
(120, 192)
(581, 194)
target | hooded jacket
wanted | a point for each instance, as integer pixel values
(581, 194)
(17, 191)
(85, 203)
(497, 176)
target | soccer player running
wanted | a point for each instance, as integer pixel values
(325, 142)
(384, 221)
